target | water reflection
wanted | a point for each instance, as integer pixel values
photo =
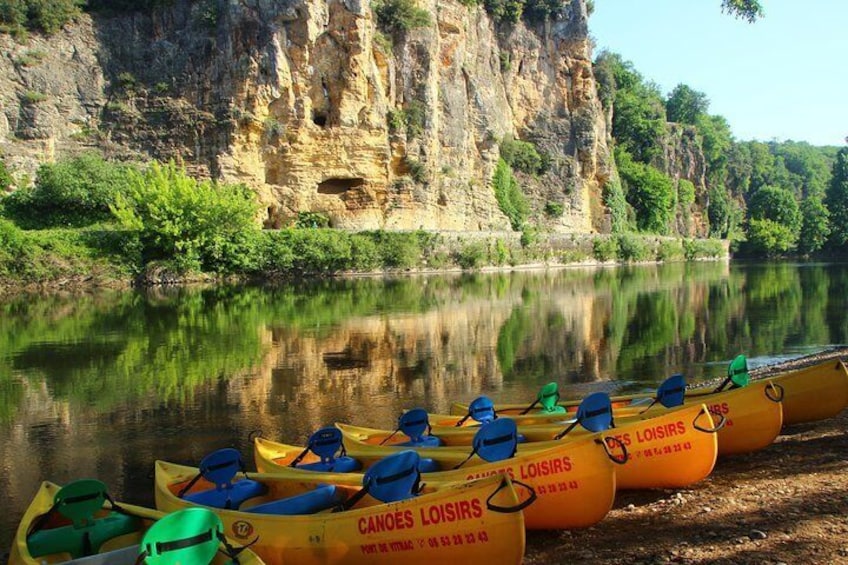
(102, 384)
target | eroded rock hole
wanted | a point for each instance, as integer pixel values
(339, 186)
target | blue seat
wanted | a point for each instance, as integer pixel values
(394, 478)
(219, 468)
(321, 498)
(672, 391)
(414, 424)
(428, 465)
(482, 409)
(496, 440)
(595, 412)
(326, 443)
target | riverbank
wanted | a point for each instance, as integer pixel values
(786, 504)
(60, 259)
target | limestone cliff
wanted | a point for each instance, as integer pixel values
(302, 99)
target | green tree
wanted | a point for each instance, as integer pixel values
(6, 179)
(776, 204)
(837, 200)
(718, 212)
(750, 10)
(767, 237)
(814, 227)
(685, 104)
(649, 191)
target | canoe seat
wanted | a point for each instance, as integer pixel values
(123, 556)
(80, 542)
(219, 468)
(428, 465)
(415, 424)
(231, 496)
(321, 498)
(327, 444)
(79, 502)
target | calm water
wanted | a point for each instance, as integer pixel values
(103, 384)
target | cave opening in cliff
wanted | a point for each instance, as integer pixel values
(319, 118)
(339, 185)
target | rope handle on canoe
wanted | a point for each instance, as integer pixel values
(510, 509)
(714, 429)
(620, 459)
(251, 437)
(774, 392)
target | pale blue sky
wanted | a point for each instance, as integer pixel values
(783, 77)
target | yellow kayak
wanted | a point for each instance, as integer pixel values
(754, 417)
(475, 522)
(810, 394)
(671, 450)
(575, 480)
(46, 534)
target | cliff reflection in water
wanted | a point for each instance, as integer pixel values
(101, 385)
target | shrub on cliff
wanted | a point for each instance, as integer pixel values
(649, 191)
(509, 196)
(44, 15)
(72, 193)
(204, 225)
(400, 16)
(522, 156)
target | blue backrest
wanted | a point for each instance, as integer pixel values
(496, 440)
(595, 412)
(325, 443)
(482, 409)
(393, 478)
(672, 391)
(219, 467)
(414, 423)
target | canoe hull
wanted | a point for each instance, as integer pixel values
(43, 501)
(453, 523)
(575, 481)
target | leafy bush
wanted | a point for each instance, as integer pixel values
(554, 209)
(44, 15)
(77, 192)
(632, 248)
(521, 156)
(770, 238)
(412, 118)
(649, 191)
(605, 249)
(615, 202)
(702, 249)
(670, 250)
(509, 196)
(318, 251)
(6, 179)
(312, 220)
(398, 250)
(471, 255)
(400, 16)
(501, 253)
(209, 226)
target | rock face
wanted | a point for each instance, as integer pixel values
(683, 158)
(310, 104)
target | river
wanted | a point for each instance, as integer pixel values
(100, 384)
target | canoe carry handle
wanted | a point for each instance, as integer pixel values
(254, 434)
(774, 392)
(722, 421)
(618, 459)
(510, 509)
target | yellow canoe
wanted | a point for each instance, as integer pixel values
(814, 393)
(123, 549)
(671, 450)
(575, 481)
(448, 523)
(810, 394)
(754, 417)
